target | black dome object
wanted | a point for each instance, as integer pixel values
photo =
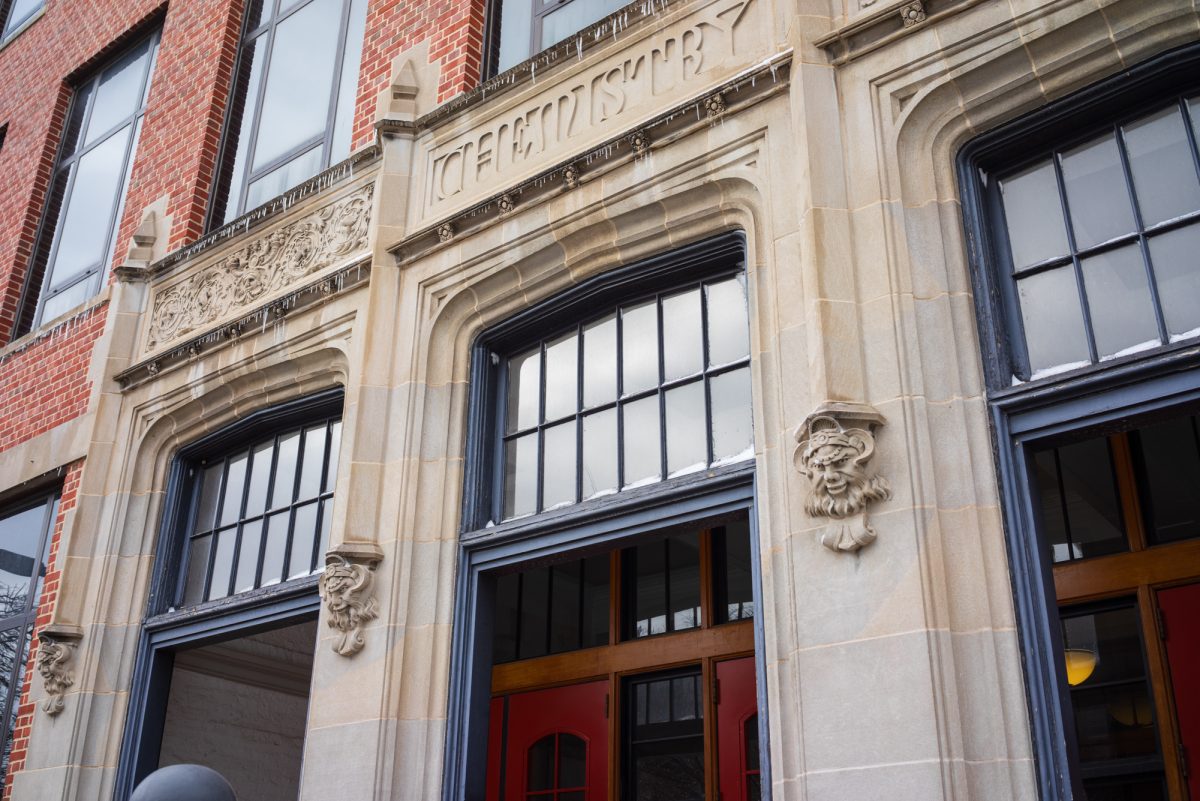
(184, 783)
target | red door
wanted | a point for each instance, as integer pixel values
(555, 747)
(737, 730)
(1181, 619)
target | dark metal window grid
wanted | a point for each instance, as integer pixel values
(621, 401)
(21, 622)
(38, 288)
(236, 114)
(10, 26)
(1076, 255)
(321, 501)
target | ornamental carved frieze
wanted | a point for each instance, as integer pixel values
(834, 448)
(348, 587)
(56, 650)
(266, 265)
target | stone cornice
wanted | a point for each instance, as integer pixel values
(880, 28)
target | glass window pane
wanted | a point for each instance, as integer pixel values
(731, 429)
(87, 220)
(515, 22)
(1079, 508)
(1034, 215)
(10, 645)
(639, 347)
(687, 437)
(728, 325)
(1096, 192)
(682, 336)
(595, 600)
(343, 121)
(641, 441)
(504, 619)
(1174, 257)
(541, 764)
(44, 559)
(599, 453)
(666, 752)
(20, 11)
(67, 299)
(326, 527)
(120, 92)
(535, 612)
(650, 589)
(304, 532)
(335, 442)
(566, 596)
(19, 537)
(1168, 457)
(524, 384)
(1053, 318)
(600, 361)
(732, 570)
(295, 105)
(558, 472)
(283, 178)
(197, 570)
(683, 553)
(250, 83)
(1127, 788)
(247, 562)
(520, 476)
(562, 376)
(285, 470)
(572, 759)
(276, 545)
(1118, 295)
(570, 17)
(218, 584)
(235, 486)
(1164, 174)
(314, 461)
(260, 477)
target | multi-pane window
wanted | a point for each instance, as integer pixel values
(87, 193)
(530, 26)
(261, 514)
(24, 551)
(293, 99)
(15, 13)
(1101, 240)
(653, 389)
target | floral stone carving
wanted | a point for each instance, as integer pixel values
(267, 264)
(835, 445)
(348, 587)
(56, 649)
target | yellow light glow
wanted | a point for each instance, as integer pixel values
(1080, 665)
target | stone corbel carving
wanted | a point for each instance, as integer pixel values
(56, 649)
(835, 445)
(348, 587)
(136, 266)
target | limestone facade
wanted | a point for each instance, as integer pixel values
(826, 131)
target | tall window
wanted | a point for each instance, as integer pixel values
(522, 28)
(1084, 222)
(87, 192)
(292, 106)
(25, 532)
(611, 609)
(15, 13)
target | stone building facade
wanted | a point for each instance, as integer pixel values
(685, 399)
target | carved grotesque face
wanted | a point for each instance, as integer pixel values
(835, 470)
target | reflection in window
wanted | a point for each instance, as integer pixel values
(557, 769)
(261, 515)
(665, 742)
(1168, 461)
(15, 13)
(24, 554)
(1102, 238)
(656, 388)
(663, 586)
(293, 99)
(1079, 503)
(530, 26)
(87, 192)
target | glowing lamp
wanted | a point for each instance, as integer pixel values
(1080, 665)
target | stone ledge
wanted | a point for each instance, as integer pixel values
(885, 26)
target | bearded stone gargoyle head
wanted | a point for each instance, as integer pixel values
(835, 445)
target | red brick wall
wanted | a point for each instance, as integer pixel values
(26, 708)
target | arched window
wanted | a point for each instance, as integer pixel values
(556, 769)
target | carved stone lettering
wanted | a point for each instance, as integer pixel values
(267, 264)
(700, 49)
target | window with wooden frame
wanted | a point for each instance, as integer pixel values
(606, 627)
(1079, 217)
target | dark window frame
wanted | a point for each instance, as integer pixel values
(538, 11)
(9, 29)
(36, 289)
(1094, 400)
(581, 529)
(236, 126)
